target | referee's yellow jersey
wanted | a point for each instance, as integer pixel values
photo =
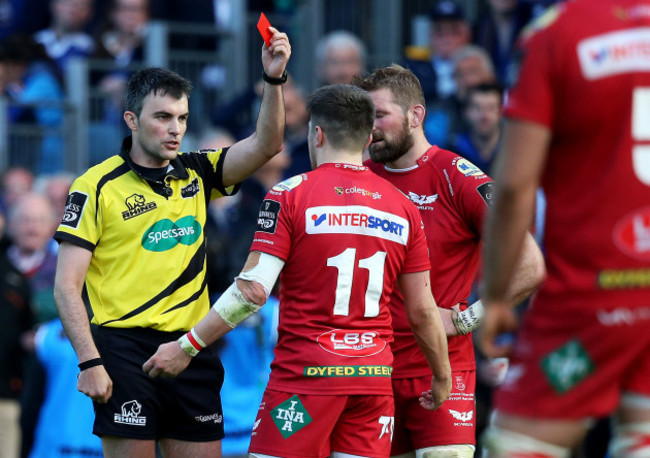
(147, 239)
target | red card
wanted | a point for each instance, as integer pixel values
(263, 26)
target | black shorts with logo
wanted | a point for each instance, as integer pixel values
(186, 407)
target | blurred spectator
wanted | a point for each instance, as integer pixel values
(15, 183)
(450, 31)
(471, 65)
(56, 188)
(187, 11)
(120, 39)
(340, 56)
(16, 319)
(238, 116)
(216, 228)
(31, 225)
(215, 138)
(30, 82)
(483, 118)
(297, 127)
(122, 36)
(64, 427)
(22, 16)
(498, 30)
(66, 36)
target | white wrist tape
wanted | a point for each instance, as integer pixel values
(469, 319)
(233, 307)
(189, 344)
(266, 272)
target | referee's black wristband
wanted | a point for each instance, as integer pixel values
(276, 81)
(90, 363)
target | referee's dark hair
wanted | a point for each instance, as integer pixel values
(344, 112)
(154, 80)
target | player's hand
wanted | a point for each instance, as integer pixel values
(447, 316)
(439, 392)
(276, 56)
(498, 319)
(95, 383)
(168, 361)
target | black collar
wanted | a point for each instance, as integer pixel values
(176, 169)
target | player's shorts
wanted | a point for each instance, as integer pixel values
(576, 365)
(306, 425)
(186, 407)
(452, 423)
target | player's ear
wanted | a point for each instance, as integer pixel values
(368, 142)
(417, 115)
(320, 136)
(131, 120)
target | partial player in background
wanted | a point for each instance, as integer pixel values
(579, 125)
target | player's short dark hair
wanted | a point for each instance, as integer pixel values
(154, 80)
(403, 84)
(344, 112)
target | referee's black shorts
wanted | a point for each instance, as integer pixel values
(186, 407)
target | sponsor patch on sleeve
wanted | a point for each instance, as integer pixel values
(74, 208)
(267, 219)
(486, 191)
(289, 183)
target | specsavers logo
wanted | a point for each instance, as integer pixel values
(166, 234)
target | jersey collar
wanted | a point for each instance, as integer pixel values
(176, 169)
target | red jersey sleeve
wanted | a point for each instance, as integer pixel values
(417, 256)
(273, 234)
(471, 192)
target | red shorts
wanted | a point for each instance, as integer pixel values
(577, 365)
(307, 425)
(453, 423)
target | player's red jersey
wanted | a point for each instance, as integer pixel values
(585, 75)
(452, 195)
(345, 235)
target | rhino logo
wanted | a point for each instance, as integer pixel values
(131, 409)
(136, 205)
(130, 414)
(134, 201)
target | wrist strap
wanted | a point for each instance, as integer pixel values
(191, 343)
(90, 363)
(276, 81)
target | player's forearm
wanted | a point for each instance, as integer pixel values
(212, 327)
(529, 272)
(74, 318)
(518, 169)
(269, 131)
(430, 335)
(506, 229)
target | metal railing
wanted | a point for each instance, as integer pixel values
(93, 126)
